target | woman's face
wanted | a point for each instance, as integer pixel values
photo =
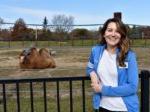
(111, 35)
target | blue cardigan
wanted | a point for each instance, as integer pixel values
(127, 79)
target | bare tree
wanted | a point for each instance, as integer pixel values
(62, 23)
(19, 29)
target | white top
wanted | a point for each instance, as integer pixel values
(107, 71)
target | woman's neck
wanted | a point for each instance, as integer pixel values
(111, 49)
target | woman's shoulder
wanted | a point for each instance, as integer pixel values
(98, 46)
(131, 54)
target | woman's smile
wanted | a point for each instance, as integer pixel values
(112, 36)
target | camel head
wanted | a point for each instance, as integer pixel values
(26, 55)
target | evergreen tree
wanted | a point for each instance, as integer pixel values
(45, 23)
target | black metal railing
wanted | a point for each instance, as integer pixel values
(145, 85)
(144, 75)
(17, 83)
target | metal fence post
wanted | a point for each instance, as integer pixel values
(145, 90)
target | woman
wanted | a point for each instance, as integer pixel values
(113, 70)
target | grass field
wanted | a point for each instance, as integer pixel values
(11, 44)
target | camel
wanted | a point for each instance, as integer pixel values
(34, 59)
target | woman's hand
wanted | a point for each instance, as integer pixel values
(97, 87)
(95, 82)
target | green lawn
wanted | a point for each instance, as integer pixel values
(51, 105)
(134, 42)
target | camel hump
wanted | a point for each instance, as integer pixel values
(43, 50)
(36, 59)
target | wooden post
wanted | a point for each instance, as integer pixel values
(118, 15)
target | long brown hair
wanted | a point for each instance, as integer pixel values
(123, 44)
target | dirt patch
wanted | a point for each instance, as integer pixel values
(70, 61)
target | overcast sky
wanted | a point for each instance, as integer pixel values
(84, 11)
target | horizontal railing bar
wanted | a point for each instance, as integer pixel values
(147, 75)
(36, 91)
(52, 79)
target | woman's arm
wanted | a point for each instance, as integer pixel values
(95, 81)
(131, 86)
(90, 65)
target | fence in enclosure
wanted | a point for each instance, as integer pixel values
(78, 35)
(72, 96)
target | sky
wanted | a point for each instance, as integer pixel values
(83, 11)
